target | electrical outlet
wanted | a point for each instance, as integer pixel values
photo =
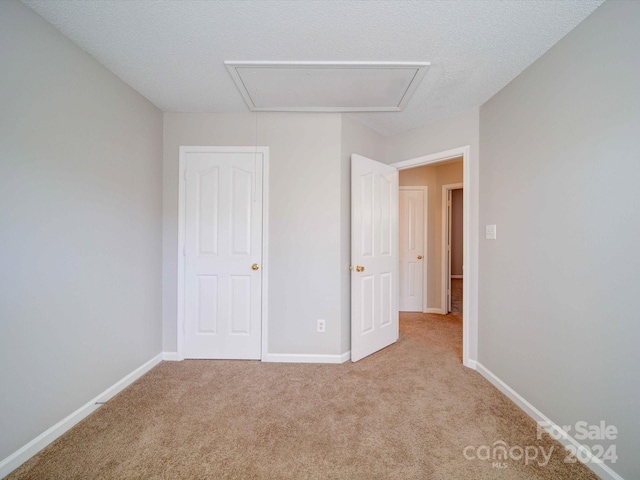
(321, 326)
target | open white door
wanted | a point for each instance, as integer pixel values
(374, 256)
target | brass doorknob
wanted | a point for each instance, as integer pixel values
(255, 266)
(359, 268)
(419, 257)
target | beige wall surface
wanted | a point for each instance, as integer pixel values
(559, 286)
(434, 177)
(305, 231)
(80, 227)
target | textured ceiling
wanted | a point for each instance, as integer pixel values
(172, 51)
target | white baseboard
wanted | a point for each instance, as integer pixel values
(170, 356)
(304, 358)
(472, 364)
(23, 454)
(435, 310)
(593, 463)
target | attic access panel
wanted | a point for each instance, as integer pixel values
(327, 86)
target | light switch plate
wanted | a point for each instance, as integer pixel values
(491, 232)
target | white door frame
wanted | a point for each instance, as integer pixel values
(182, 225)
(446, 255)
(470, 259)
(425, 283)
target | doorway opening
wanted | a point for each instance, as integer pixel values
(424, 239)
(469, 311)
(452, 240)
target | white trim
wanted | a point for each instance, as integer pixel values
(469, 311)
(434, 310)
(473, 364)
(595, 464)
(127, 380)
(181, 237)
(304, 358)
(23, 454)
(432, 158)
(170, 356)
(182, 169)
(445, 267)
(456, 276)
(265, 250)
(425, 284)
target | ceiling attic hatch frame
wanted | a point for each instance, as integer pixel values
(327, 86)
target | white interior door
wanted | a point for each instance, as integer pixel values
(223, 254)
(412, 248)
(374, 255)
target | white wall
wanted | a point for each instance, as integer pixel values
(559, 287)
(360, 139)
(80, 226)
(305, 235)
(453, 132)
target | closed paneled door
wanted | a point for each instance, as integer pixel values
(223, 255)
(412, 248)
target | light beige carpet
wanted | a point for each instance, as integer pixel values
(407, 412)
